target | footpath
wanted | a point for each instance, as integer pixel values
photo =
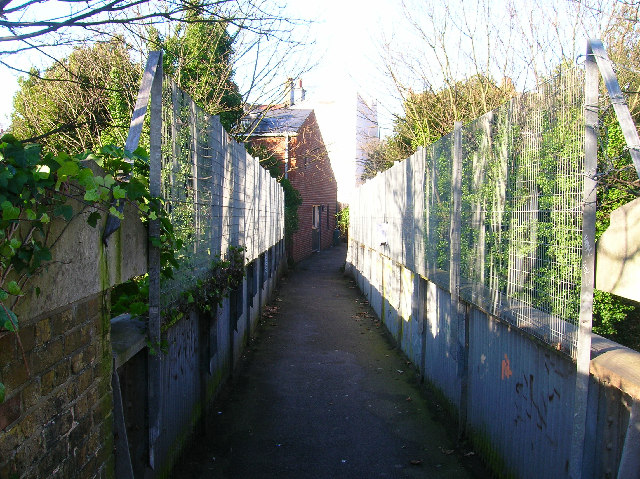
(323, 393)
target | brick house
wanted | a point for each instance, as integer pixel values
(293, 138)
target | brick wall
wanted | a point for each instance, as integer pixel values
(311, 174)
(57, 422)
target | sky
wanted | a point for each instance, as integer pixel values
(342, 49)
(349, 35)
(344, 52)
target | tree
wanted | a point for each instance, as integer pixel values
(450, 54)
(82, 102)
(199, 56)
(431, 115)
(40, 24)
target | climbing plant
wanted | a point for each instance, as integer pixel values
(39, 189)
(224, 276)
(342, 219)
(618, 184)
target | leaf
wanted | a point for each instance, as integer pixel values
(85, 178)
(3, 295)
(92, 195)
(31, 215)
(64, 210)
(69, 168)
(44, 218)
(118, 192)
(135, 189)
(3, 392)
(13, 288)
(9, 212)
(114, 211)
(93, 218)
(10, 322)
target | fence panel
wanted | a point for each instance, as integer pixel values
(520, 261)
(217, 194)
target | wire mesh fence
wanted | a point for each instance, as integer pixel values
(521, 227)
(522, 207)
(216, 193)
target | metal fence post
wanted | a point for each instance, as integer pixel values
(454, 273)
(583, 355)
(154, 384)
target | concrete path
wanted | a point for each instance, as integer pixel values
(322, 393)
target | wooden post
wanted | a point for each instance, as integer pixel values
(583, 355)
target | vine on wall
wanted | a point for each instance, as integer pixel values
(38, 189)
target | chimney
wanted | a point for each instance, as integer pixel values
(300, 92)
(296, 92)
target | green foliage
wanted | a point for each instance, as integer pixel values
(131, 297)
(342, 220)
(292, 200)
(82, 102)
(431, 115)
(223, 276)
(37, 190)
(617, 185)
(609, 311)
(199, 56)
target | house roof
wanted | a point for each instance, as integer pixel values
(280, 120)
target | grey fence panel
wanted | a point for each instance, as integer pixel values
(520, 279)
(521, 393)
(441, 344)
(209, 186)
(181, 394)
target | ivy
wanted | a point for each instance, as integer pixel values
(223, 277)
(38, 189)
